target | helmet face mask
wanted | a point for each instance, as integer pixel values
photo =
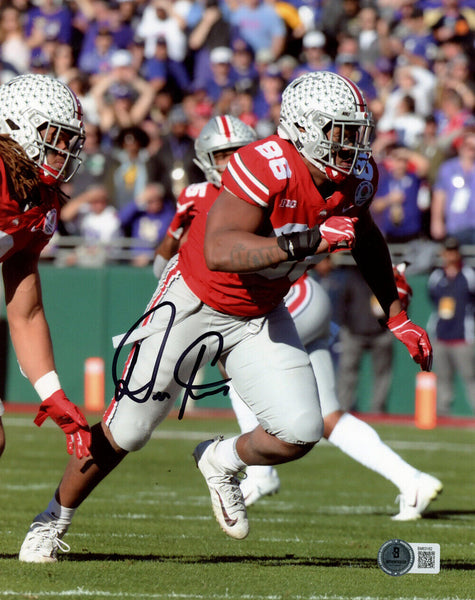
(220, 134)
(326, 118)
(45, 118)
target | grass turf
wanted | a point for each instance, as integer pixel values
(147, 532)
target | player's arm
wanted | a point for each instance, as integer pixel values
(372, 256)
(237, 241)
(31, 339)
(29, 329)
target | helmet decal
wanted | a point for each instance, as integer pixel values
(324, 114)
(45, 117)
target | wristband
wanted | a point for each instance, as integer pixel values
(2, 408)
(47, 385)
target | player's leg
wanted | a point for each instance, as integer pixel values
(362, 443)
(351, 353)
(127, 426)
(465, 360)
(382, 359)
(260, 480)
(271, 371)
(445, 369)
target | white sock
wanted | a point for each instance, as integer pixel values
(259, 471)
(62, 515)
(226, 454)
(363, 444)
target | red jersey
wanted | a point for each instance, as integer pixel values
(270, 173)
(188, 204)
(31, 228)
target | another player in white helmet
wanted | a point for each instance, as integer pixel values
(41, 137)
(217, 141)
(221, 298)
(310, 308)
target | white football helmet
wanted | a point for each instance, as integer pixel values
(324, 114)
(32, 105)
(220, 133)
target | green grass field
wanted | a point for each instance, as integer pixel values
(147, 532)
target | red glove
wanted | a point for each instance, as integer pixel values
(71, 420)
(339, 232)
(414, 338)
(404, 290)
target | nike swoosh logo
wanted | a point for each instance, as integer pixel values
(347, 208)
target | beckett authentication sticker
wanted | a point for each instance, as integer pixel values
(396, 557)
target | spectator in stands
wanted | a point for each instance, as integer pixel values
(396, 202)
(452, 116)
(161, 19)
(314, 56)
(412, 81)
(368, 37)
(13, 42)
(91, 216)
(453, 200)
(146, 221)
(452, 324)
(208, 30)
(126, 173)
(259, 24)
(47, 21)
(360, 333)
(221, 76)
(414, 44)
(173, 164)
(271, 86)
(123, 98)
(244, 69)
(97, 60)
(452, 25)
(163, 72)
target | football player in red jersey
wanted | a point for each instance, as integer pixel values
(285, 201)
(310, 308)
(41, 137)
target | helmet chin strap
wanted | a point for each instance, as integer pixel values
(334, 175)
(48, 175)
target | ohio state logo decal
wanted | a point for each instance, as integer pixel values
(51, 221)
(363, 193)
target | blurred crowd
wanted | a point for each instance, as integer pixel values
(150, 73)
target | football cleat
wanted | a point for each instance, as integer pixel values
(226, 496)
(412, 503)
(254, 488)
(42, 543)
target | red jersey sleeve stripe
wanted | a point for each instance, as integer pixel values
(247, 182)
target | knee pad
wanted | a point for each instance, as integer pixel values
(104, 455)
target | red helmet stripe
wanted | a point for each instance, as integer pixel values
(224, 125)
(359, 98)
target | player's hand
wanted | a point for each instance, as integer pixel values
(404, 290)
(71, 420)
(414, 338)
(339, 233)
